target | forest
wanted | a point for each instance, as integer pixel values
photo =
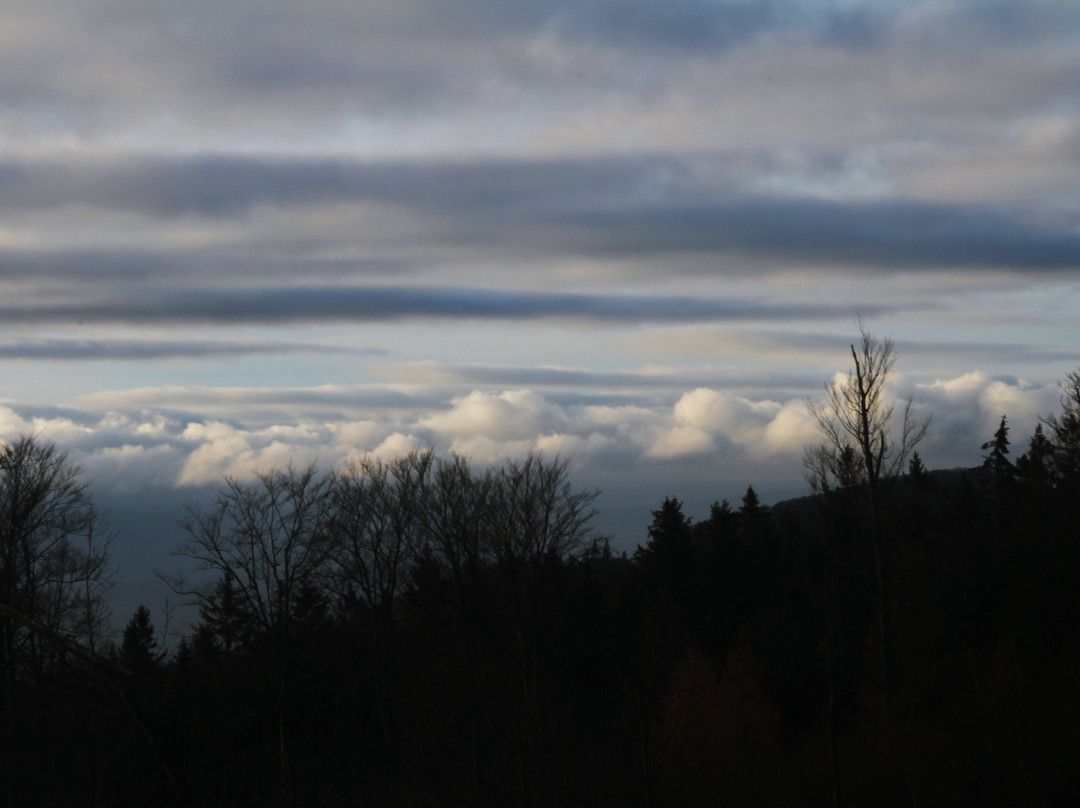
(425, 632)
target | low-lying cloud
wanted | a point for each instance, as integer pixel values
(139, 445)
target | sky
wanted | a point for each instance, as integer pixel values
(637, 235)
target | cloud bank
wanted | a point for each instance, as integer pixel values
(143, 443)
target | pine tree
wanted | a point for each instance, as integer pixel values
(139, 650)
(1036, 465)
(753, 517)
(996, 458)
(918, 476)
(669, 546)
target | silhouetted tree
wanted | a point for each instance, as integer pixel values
(537, 521)
(753, 517)
(269, 538)
(376, 530)
(1065, 434)
(917, 472)
(225, 616)
(53, 563)
(1036, 466)
(667, 554)
(857, 425)
(996, 459)
(139, 648)
(53, 577)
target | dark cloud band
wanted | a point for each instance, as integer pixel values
(614, 207)
(373, 304)
(146, 350)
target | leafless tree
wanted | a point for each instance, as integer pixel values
(537, 519)
(269, 538)
(376, 531)
(454, 513)
(539, 514)
(53, 555)
(54, 575)
(864, 447)
(1065, 433)
(863, 441)
(376, 525)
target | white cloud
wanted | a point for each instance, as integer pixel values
(128, 449)
(791, 429)
(682, 440)
(397, 444)
(511, 415)
(740, 419)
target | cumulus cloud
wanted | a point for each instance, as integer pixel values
(512, 415)
(791, 429)
(139, 447)
(739, 418)
(680, 440)
(968, 408)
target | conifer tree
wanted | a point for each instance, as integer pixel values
(139, 650)
(996, 458)
(668, 548)
(1036, 465)
(917, 474)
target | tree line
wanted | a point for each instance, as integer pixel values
(422, 631)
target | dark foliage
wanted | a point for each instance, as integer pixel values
(448, 636)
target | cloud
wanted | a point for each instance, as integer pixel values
(682, 440)
(967, 409)
(664, 378)
(378, 304)
(889, 234)
(603, 208)
(791, 429)
(523, 200)
(126, 449)
(738, 417)
(149, 350)
(512, 415)
(779, 347)
(240, 399)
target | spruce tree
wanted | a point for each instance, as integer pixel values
(139, 650)
(996, 458)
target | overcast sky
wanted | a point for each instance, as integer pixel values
(635, 233)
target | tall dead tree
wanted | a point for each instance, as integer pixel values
(865, 445)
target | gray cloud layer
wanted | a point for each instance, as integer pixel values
(146, 350)
(645, 206)
(165, 305)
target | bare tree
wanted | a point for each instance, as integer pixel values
(454, 517)
(862, 441)
(376, 530)
(540, 516)
(53, 554)
(536, 520)
(1065, 433)
(269, 539)
(376, 525)
(864, 447)
(54, 575)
